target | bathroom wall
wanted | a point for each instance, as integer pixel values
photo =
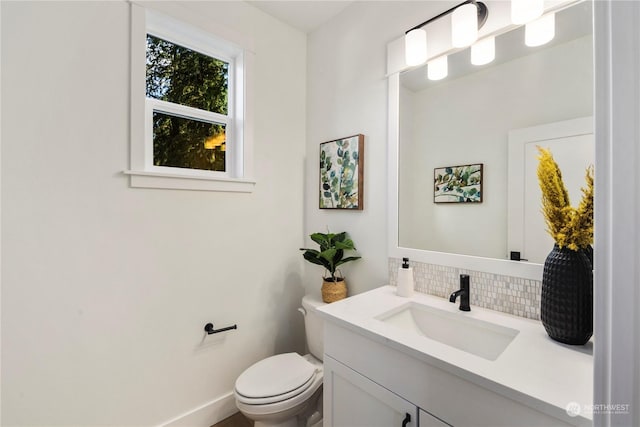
(106, 289)
(347, 94)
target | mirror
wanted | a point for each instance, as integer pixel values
(466, 118)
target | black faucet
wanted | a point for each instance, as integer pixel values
(463, 293)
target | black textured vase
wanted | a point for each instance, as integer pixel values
(588, 251)
(566, 306)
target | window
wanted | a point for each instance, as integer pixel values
(177, 77)
(189, 129)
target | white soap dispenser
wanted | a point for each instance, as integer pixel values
(405, 279)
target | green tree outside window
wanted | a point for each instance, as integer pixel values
(182, 76)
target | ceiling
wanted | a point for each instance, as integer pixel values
(303, 15)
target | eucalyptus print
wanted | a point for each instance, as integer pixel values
(341, 173)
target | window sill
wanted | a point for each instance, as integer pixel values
(144, 179)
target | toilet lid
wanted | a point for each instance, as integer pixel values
(275, 375)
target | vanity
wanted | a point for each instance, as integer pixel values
(420, 361)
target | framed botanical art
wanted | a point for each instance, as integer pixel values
(458, 184)
(341, 173)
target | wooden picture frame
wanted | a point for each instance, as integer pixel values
(342, 173)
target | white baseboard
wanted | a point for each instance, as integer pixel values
(206, 415)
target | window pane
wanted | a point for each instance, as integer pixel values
(188, 143)
(182, 76)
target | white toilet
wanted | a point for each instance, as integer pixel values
(285, 390)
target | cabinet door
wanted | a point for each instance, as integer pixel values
(428, 420)
(352, 400)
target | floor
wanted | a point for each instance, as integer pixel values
(236, 420)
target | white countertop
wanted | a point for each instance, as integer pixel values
(542, 370)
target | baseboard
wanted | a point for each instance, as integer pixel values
(206, 415)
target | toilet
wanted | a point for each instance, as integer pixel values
(285, 390)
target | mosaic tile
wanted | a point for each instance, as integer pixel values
(512, 295)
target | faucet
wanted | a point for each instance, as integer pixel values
(463, 293)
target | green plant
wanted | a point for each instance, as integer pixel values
(331, 253)
(570, 227)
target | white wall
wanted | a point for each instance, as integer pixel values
(347, 94)
(466, 121)
(106, 289)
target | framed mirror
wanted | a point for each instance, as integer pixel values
(466, 119)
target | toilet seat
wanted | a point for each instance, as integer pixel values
(276, 398)
(291, 405)
(275, 379)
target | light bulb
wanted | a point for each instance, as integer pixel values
(540, 31)
(484, 51)
(464, 25)
(415, 47)
(523, 11)
(438, 68)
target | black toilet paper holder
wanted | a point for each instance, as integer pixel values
(210, 330)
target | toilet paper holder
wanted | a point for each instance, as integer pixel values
(210, 330)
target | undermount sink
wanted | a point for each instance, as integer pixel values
(474, 336)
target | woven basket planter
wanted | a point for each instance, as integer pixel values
(566, 306)
(334, 291)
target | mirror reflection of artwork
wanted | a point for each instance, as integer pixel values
(341, 173)
(458, 184)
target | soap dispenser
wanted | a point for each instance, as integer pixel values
(405, 279)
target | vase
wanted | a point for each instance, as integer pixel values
(334, 291)
(566, 306)
(588, 251)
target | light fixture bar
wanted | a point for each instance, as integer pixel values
(415, 38)
(482, 14)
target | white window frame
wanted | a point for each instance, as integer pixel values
(237, 176)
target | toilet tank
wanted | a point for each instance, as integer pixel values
(313, 326)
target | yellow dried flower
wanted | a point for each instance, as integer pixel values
(582, 222)
(569, 227)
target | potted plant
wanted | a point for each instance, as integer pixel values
(566, 306)
(331, 256)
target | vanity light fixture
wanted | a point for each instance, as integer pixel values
(524, 11)
(483, 51)
(464, 25)
(466, 19)
(415, 47)
(540, 31)
(464, 30)
(438, 69)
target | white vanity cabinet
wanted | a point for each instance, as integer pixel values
(372, 380)
(356, 401)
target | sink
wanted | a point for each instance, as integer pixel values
(478, 337)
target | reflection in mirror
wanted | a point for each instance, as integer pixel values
(466, 118)
(572, 145)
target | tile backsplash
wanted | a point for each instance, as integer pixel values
(513, 295)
